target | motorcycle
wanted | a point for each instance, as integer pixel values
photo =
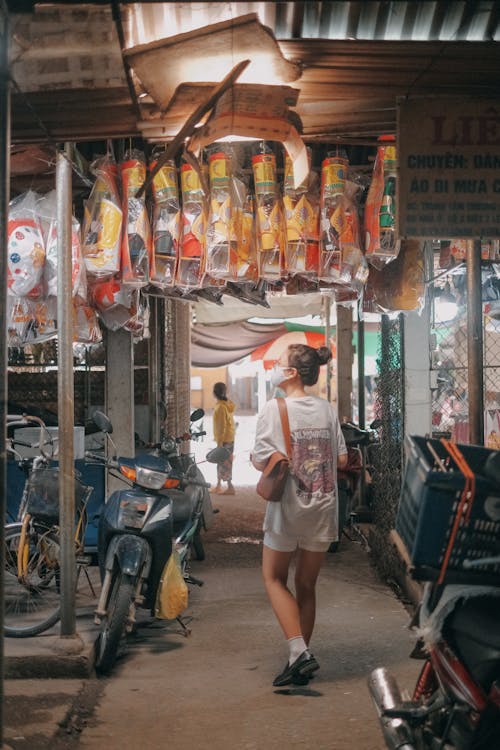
(456, 700)
(162, 512)
(354, 480)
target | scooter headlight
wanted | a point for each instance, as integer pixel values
(150, 479)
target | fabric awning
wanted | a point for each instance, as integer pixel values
(216, 346)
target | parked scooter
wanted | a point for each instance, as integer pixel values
(456, 700)
(164, 510)
(354, 480)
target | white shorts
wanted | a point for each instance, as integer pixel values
(283, 543)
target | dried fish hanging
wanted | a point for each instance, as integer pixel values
(102, 223)
(191, 264)
(381, 244)
(302, 222)
(166, 225)
(270, 221)
(136, 236)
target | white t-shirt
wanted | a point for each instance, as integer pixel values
(309, 504)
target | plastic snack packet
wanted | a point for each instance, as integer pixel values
(25, 247)
(191, 264)
(220, 215)
(381, 244)
(136, 235)
(270, 224)
(302, 223)
(166, 225)
(102, 224)
(47, 212)
(332, 214)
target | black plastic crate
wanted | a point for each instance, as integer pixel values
(428, 504)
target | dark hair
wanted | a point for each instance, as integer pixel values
(220, 391)
(307, 361)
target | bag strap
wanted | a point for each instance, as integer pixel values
(285, 425)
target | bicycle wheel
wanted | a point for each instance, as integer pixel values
(32, 604)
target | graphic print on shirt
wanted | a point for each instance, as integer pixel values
(312, 461)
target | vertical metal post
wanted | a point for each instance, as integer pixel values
(119, 396)
(4, 214)
(327, 303)
(65, 391)
(344, 362)
(475, 344)
(154, 369)
(361, 372)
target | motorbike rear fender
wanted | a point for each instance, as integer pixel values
(130, 553)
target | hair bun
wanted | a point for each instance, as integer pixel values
(324, 355)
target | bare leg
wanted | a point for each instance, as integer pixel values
(275, 573)
(306, 574)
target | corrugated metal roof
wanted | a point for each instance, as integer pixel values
(356, 58)
(420, 20)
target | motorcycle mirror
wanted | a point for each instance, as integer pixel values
(102, 421)
(376, 424)
(218, 455)
(196, 415)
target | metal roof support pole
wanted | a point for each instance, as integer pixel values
(4, 216)
(344, 362)
(65, 391)
(155, 385)
(120, 403)
(177, 366)
(327, 314)
(361, 369)
(475, 344)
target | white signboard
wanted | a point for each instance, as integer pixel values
(449, 168)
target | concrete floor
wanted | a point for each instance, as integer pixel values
(214, 688)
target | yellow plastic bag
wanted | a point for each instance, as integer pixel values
(172, 597)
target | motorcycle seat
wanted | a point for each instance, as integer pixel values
(183, 504)
(474, 630)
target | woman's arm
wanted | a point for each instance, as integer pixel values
(342, 460)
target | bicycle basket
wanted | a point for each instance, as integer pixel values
(43, 495)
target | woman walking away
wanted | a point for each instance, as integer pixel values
(223, 421)
(305, 521)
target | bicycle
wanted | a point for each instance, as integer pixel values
(32, 578)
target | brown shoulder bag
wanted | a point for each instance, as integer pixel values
(271, 484)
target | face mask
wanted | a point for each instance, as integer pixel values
(278, 375)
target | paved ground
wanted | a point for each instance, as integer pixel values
(214, 687)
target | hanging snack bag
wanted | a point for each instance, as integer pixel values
(102, 224)
(243, 231)
(302, 223)
(136, 235)
(191, 264)
(166, 225)
(219, 234)
(25, 247)
(332, 215)
(47, 211)
(381, 245)
(270, 224)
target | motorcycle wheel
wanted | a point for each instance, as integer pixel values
(198, 548)
(121, 595)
